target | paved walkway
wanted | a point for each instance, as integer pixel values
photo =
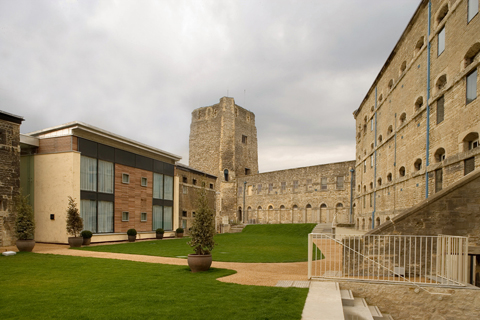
(260, 274)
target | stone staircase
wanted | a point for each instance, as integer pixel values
(237, 228)
(326, 301)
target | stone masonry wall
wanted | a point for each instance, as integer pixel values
(297, 195)
(9, 179)
(409, 302)
(391, 122)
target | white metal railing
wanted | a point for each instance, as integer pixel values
(434, 260)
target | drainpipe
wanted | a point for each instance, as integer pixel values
(428, 105)
(375, 166)
(244, 209)
(352, 171)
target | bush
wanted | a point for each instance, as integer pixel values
(203, 228)
(25, 220)
(159, 231)
(86, 234)
(132, 232)
(179, 230)
(74, 221)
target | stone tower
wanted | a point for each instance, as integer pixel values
(223, 142)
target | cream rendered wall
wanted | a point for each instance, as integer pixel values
(57, 176)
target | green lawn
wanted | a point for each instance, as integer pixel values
(267, 243)
(36, 286)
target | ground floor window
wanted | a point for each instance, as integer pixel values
(97, 216)
(162, 217)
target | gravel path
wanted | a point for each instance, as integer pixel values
(260, 274)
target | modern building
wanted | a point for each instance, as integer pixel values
(118, 183)
(417, 129)
(9, 174)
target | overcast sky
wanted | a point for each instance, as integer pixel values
(139, 68)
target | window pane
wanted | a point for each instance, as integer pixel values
(324, 183)
(158, 186)
(441, 41)
(105, 216)
(157, 217)
(440, 109)
(469, 165)
(88, 174)
(472, 8)
(472, 86)
(168, 188)
(340, 182)
(438, 180)
(105, 176)
(88, 212)
(168, 218)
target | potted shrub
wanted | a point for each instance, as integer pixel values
(24, 224)
(179, 233)
(202, 232)
(132, 235)
(159, 232)
(87, 237)
(74, 224)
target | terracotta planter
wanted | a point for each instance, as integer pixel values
(179, 235)
(25, 245)
(132, 238)
(75, 242)
(159, 235)
(86, 241)
(198, 263)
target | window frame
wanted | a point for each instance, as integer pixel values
(467, 77)
(442, 100)
(125, 216)
(469, 2)
(142, 214)
(441, 36)
(142, 179)
(127, 176)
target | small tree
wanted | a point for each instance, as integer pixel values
(25, 220)
(203, 228)
(74, 221)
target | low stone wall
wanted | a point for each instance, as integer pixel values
(407, 302)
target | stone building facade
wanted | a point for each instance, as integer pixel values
(417, 129)
(313, 194)
(223, 142)
(9, 174)
(191, 181)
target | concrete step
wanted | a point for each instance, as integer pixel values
(376, 314)
(347, 297)
(387, 317)
(359, 310)
(324, 302)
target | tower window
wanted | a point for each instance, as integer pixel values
(440, 109)
(247, 171)
(441, 41)
(472, 86)
(225, 174)
(244, 139)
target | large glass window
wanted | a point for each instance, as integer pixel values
(88, 212)
(472, 9)
(88, 174)
(168, 187)
(158, 186)
(100, 221)
(105, 176)
(441, 41)
(162, 217)
(105, 216)
(472, 86)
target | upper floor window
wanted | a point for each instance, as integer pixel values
(105, 176)
(144, 182)
(244, 139)
(470, 141)
(323, 184)
(162, 186)
(442, 13)
(371, 125)
(125, 178)
(283, 186)
(270, 187)
(88, 174)
(440, 155)
(441, 41)
(259, 188)
(472, 9)
(295, 185)
(340, 182)
(225, 174)
(472, 86)
(440, 109)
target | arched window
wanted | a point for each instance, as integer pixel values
(471, 54)
(308, 206)
(364, 188)
(295, 207)
(470, 141)
(419, 44)
(390, 84)
(359, 188)
(357, 226)
(418, 164)
(225, 174)
(363, 223)
(388, 219)
(323, 206)
(270, 207)
(371, 185)
(372, 146)
(369, 223)
(440, 155)
(380, 138)
(339, 205)
(377, 221)
(442, 13)
(379, 182)
(441, 82)
(403, 118)
(418, 103)
(390, 130)
(380, 98)
(389, 177)
(401, 171)
(403, 67)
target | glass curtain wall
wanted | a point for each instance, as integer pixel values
(162, 190)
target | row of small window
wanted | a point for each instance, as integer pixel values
(295, 207)
(283, 186)
(98, 176)
(98, 216)
(194, 182)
